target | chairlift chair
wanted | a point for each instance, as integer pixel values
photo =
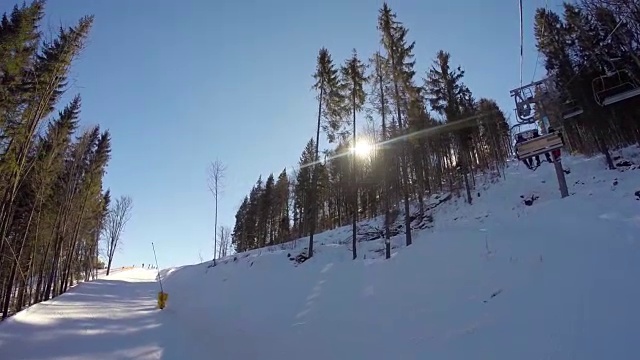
(539, 145)
(615, 87)
(571, 109)
(524, 99)
(523, 107)
(526, 134)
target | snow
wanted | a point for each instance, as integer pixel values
(110, 318)
(494, 280)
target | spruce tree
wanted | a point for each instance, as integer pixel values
(379, 81)
(281, 213)
(239, 235)
(399, 54)
(353, 78)
(331, 108)
(304, 188)
(51, 196)
(448, 96)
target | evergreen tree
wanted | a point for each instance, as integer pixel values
(400, 65)
(380, 85)
(239, 235)
(331, 108)
(281, 213)
(353, 77)
(448, 96)
(52, 202)
(265, 220)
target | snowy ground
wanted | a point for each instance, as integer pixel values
(110, 318)
(496, 280)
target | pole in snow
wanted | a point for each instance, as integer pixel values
(157, 267)
(162, 296)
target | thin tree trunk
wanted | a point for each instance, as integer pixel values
(314, 179)
(355, 183)
(215, 225)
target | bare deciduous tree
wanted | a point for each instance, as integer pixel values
(225, 240)
(215, 177)
(118, 216)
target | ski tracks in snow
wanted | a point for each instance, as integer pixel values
(311, 299)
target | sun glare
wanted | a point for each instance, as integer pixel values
(363, 148)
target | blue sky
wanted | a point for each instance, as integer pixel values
(179, 83)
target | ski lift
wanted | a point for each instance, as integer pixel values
(614, 86)
(523, 107)
(525, 98)
(538, 145)
(571, 109)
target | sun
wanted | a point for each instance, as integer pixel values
(363, 148)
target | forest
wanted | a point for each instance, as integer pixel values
(429, 134)
(424, 134)
(54, 210)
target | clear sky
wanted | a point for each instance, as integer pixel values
(179, 83)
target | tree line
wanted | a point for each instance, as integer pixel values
(431, 134)
(580, 45)
(53, 207)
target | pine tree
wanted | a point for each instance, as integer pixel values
(281, 210)
(239, 235)
(304, 189)
(399, 55)
(20, 42)
(330, 108)
(353, 78)
(50, 70)
(266, 212)
(51, 196)
(380, 83)
(448, 96)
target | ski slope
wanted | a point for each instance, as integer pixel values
(110, 318)
(495, 280)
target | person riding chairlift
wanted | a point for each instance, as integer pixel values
(527, 162)
(546, 155)
(556, 153)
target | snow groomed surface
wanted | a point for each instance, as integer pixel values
(110, 318)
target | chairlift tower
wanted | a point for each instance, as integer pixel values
(529, 102)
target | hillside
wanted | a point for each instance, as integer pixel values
(500, 279)
(495, 280)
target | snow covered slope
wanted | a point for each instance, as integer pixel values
(110, 318)
(496, 280)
